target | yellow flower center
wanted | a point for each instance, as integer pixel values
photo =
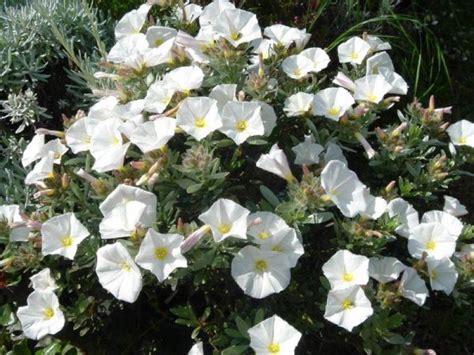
(66, 241)
(48, 313)
(56, 156)
(234, 36)
(200, 122)
(297, 72)
(434, 275)
(125, 266)
(333, 111)
(431, 245)
(372, 97)
(354, 55)
(161, 253)
(261, 265)
(158, 42)
(347, 304)
(273, 348)
(347, 277)
(277, 248)
(50, 175)
(223, 228)
(87, 140)
(263, 235)
(115, 141)
(241, 125)
(462, 140)
(326, 198)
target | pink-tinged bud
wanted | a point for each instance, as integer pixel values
(241, 95)
(444, 110)
(47, 192)
(366, 145)
(34, 225)
(343, 80)
(390, 186)
(194, 238)
(255, 222)
(360, 111)
(139, 165)
(431, 105)
(50, 132)
(424, 352)
(444, 126)
(306, 171)
(153, 180)
(399, 129)
(103, 75)
(86, 176)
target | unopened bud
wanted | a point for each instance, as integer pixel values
(390, 186)
(50, 132)
(65, 181)
(47, 192)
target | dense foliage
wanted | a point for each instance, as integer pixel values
(224, 153)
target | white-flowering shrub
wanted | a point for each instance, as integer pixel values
(228, 151)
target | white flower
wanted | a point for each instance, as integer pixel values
(157, 35)
(158, 97)
(212, 12)
(107, 146)
(307, 152)
(379, 62)
(264, 47)
(189, 13)
(196, 349)
(161, 254)
(343, 188)
(282, 35)
(399, 85)
(451, 223)
(61, 235)
(42, 281)
(124, 194)
(223, 93)
(385, 269)
(10, 215)
(268, 116)
(318, 56)
(376, 44)
(332, 103)
(343, 80)
(334, 152)
(433, 238)
(443, 274)
(33, 150)
(297, 66)
(118, 273)
(198, 117)
(184, 79)
(132, 22)
(264, 225)
(284, 241)
(348, 307)
(413, 287)
(242, 120)
(353, 51)
(274, 336)
(226, 219)
(238, 26)
(276, 163)
(260, 273)
(42, 170)
(374, 206)
(123, 220)
(56, 147)
(298, 104)
(41, 315)
(407, 216)
(345, 269)
(153, 135)
(462, 133)
(78, 135)
(371, 88)
(454, 207)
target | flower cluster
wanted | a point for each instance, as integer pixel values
(205, 104)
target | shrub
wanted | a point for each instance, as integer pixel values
(226, 183)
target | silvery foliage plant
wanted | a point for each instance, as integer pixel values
(222, 149)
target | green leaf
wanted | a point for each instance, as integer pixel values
(269, 196)
(7, 317)
(234, 350)
(242, 326)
